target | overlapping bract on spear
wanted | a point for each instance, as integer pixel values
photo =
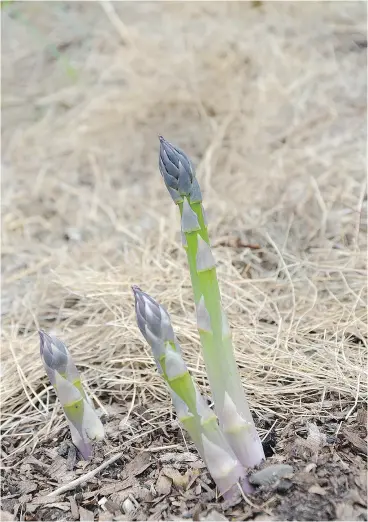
(84, 423)
(228, 441)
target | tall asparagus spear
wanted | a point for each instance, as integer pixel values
(193, 412)
(230, 402)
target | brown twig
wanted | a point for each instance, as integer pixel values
(86, 477)
(236, 242)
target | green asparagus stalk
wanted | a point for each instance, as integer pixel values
(193, 412)
(84, 423)
(231, 405)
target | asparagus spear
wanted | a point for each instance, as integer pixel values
(193, 412)
(84, 423)
(231, 404)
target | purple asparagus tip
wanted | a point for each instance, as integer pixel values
(178, 173)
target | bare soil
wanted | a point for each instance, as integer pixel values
(157, 477)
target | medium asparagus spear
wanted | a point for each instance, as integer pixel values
(230, 402)
(193, 412)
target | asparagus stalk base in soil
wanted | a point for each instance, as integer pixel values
(230, 402)
(193, 412)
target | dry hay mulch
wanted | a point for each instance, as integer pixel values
(275, 119)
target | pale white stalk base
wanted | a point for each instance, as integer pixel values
(246, 445)
(243, 487)
(84, 447)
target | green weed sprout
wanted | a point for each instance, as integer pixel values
(192, 410)
(84, 423)
(231, 405)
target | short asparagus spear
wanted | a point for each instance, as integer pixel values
(230, 402)
(85, 425)
(193, 412)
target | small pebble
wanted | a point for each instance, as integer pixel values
(271, 474)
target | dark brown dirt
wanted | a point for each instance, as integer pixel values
(329, 480)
